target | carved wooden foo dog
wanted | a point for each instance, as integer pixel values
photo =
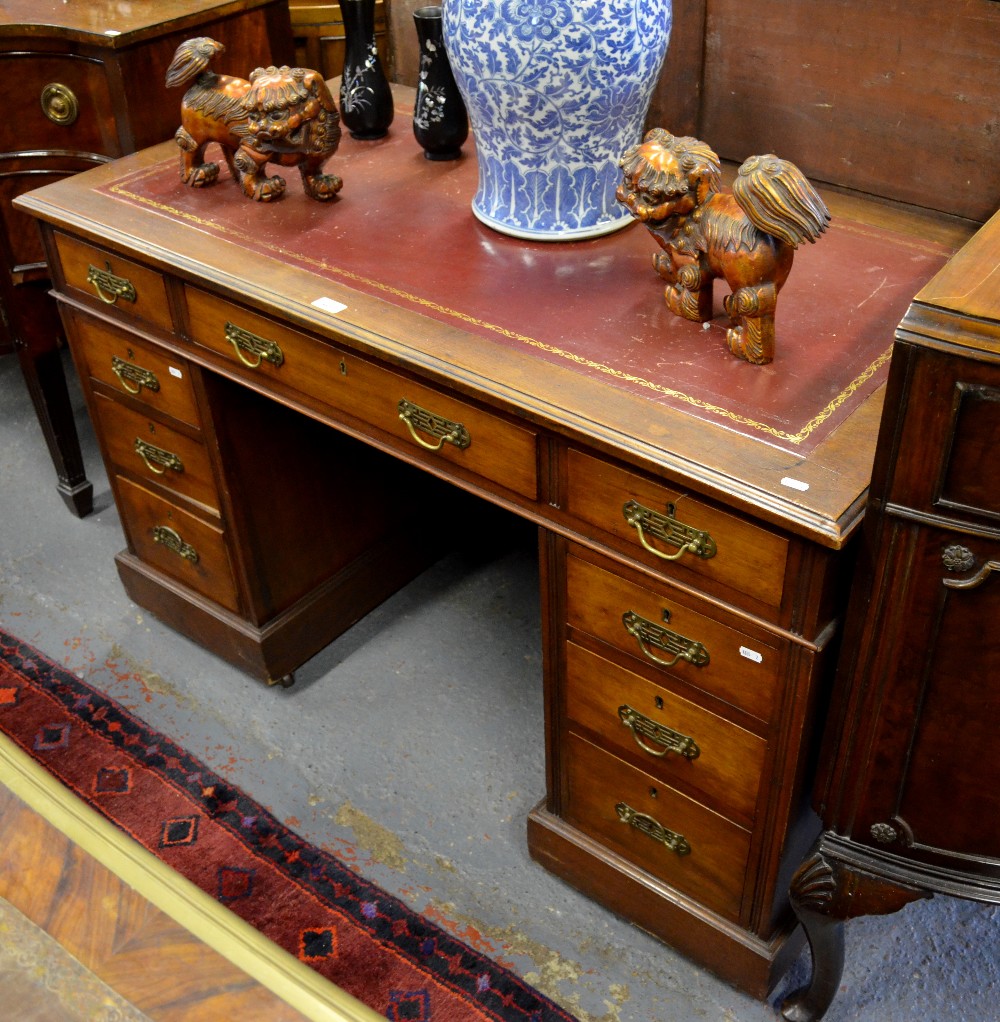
(671, 184)
(281, 115)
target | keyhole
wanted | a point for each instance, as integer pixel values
(343, 368)
(653, 793)
(659, 702)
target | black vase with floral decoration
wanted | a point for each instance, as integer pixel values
(440, 120)
(365, 97)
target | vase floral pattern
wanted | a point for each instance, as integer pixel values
(556, 91)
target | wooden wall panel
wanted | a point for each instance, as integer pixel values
(899, 99)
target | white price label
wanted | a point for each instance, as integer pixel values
(329, 305)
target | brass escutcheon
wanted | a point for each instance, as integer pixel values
(651, 636)
(260, 349)
(156, 458)
(446, 431)
(677, 843)
(59, 104)
(667, 529)
(665, 738)
(132, 377)
(172, 541)
(109, 286)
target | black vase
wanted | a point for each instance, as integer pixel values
(440, 120)
(365, 97)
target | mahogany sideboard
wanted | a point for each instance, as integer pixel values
(909, 793)
(89, 89)
(294, 401)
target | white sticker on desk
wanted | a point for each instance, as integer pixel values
(794, 484)
(752, 654)
(174, 371)
(329, 305)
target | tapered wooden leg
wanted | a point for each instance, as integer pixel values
(46, 381)
(36, 328)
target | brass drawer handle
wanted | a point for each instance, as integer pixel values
(445, 430)
(260, 349)
(132, 377)
(156, 458)
(651, 636)
(667, 529)
(666, 739)
(654, 830)
(172, 541)
(961, 559)
(109, 286)
(59, 104)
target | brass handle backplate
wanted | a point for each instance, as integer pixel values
(132, 377)
(664, 739)
(654, 830)
(444, 430)
(667, 529)
(109, 286)
(156, 458)
(259, 349)
(652, 636)
(59, 104)
(172, 541)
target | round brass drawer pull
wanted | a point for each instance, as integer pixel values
(59, 104)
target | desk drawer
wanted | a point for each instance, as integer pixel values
(150, 449)
(444, 428)
(672, 738)
(177, 543)
(680, 637)
(662, 831)
(652, 522)
(133, 290)
(131, 367)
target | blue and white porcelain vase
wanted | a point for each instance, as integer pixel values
(556, 91)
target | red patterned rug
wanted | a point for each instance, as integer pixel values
(304, 899)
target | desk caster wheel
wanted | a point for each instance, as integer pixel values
(285, 681)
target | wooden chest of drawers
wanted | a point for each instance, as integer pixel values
(692, 572)
(909, 793)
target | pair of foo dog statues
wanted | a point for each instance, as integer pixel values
(671, 184)
(281, 115)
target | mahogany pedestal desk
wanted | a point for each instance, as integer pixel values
(293, 401)
(90, 87)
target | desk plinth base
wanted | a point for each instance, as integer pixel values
(272, 652)
(733, 954)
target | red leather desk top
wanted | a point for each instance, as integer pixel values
(402, 230)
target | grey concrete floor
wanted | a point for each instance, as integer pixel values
(412, 748)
